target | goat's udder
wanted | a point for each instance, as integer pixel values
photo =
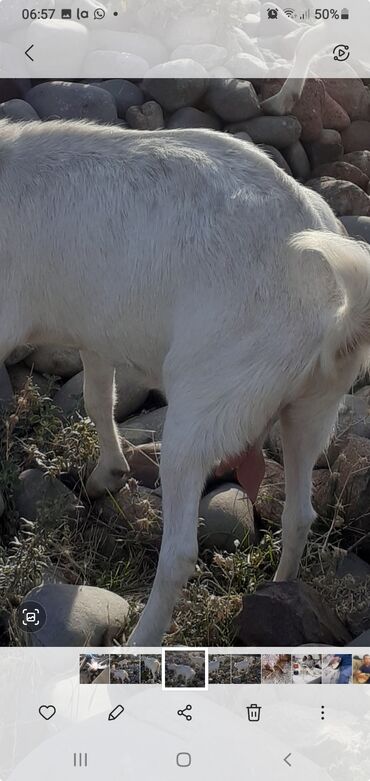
(250, 470)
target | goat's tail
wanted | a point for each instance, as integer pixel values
(349, 261)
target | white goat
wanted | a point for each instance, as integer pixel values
(191, 257)
(182, 671)
(153, 665)
(214, 666)
(120, 676)
(243, 665)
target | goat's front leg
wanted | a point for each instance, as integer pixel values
(183, 474)
(112, 467)
(306, 427)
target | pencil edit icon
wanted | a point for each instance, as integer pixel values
(116, 712)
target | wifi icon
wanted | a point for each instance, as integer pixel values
(290, 12)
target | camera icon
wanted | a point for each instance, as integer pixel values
(31, 616)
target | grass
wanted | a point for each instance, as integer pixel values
(114, 543)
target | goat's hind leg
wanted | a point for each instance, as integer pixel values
(306, 426)
(112, 467)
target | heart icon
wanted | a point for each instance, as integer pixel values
(47, 711)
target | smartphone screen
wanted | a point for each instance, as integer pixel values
(184, 390)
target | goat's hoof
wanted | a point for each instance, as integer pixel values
(112, 480)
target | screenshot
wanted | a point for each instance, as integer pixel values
(184, 390)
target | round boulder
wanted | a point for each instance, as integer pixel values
(45, 500)
(172, 93)
(226, 516)
(144, 428)
(279, 132)
(124, 93)
(78, 616)
(234, 100)
(66, 100)
(148, 116)
(356, 137)
(343, 197)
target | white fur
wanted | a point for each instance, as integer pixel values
(153, 665)
(172, 252)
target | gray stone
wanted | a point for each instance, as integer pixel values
(364, 393)
(243, 136)
(279, 132)
(20, 374)
(122, 63)
(175, 93)
(148, 116)
(350, 564)
(208, 54)
(125, 94)
(191, 117)
(356, 137)
(145, 47)
(234, 100)
(144, 428)
(144, 463)
(343, 170)
(51, 359)
(326, 149)
(343, 197)
(78, 616)
(18, 111)
(277, 157)
(245, 63)
(357, 227)
(18, 354)
(352, 488)
(130, 396)
(298, 161)
(288, 614)
(45, 500)
(192, 29)
(362, 641)
(226, 515)
(66, 100)
(6, 390)
(360, 159)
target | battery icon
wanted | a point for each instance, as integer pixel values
(344, 13)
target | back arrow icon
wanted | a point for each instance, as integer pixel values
(286, 759)
(27, 52)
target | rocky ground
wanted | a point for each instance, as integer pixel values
(49, 531)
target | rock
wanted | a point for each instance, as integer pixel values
(130, 396)
(307, 109)
(362, 641)
(149, 116)
(343, 197)
(279, 132)
(6, 390)
(356, 137)
(56, 41)
(293, 614)
(144, 463)
(173, 94)
(18, 354)
(18, 111)
(191, 117)
(243, 64)
(271, 495)
(243, 137)
(145, 47)
(234, 100)
(66, 100)
(352, 469)
(209, 55)
(334, 117)
(69, 398)
(350, 564)
(45, 500)
(192, 28)
(124, 93)
(51, 359)
(298, 161)
(323, 487)
(2, 505)
(277, 157)
(360, 159)
(122, 63)
(342, 170)
(226, 515)
(78, 616)
(327, 148)
(20, 374)
(351, 94)
(144, 428)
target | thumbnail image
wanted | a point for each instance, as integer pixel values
(125, 668)
(337, 668)
(307, 668)
(151, 668)
(219, 668)
(185, 669)
(246, 669)
(94, 668)
(276, 668)
(361, 669)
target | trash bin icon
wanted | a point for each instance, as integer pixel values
(254, 712)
